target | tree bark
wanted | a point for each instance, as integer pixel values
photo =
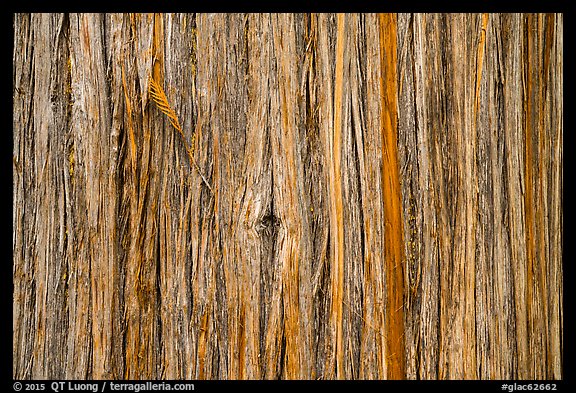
(307, 196)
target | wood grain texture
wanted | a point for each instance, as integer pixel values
(287, 196)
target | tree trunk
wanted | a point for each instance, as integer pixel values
(287, 196)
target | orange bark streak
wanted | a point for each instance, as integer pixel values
(392, 202)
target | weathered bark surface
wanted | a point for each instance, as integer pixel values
(349, 196)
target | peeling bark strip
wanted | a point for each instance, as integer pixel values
(336, 222)
(393, 236)
(297, 196)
